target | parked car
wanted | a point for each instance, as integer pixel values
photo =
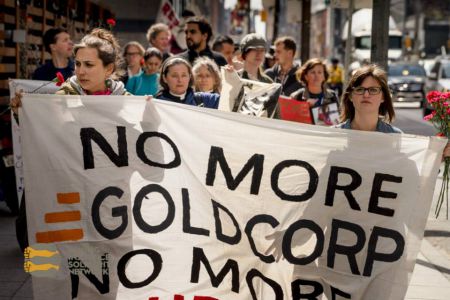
(438, 79)
(407, 82)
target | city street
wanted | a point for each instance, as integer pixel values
(410, 120)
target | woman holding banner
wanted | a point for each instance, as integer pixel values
(96, 64)
(176, 80)
(365, 99)
(313, 74)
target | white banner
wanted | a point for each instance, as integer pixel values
(149, 200)
(27, 86)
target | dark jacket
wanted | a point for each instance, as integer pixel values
(290, 83)
(191, 55)
(209, 100)
(48, 71)
(271, 106)
(327, 97)
(261, 76)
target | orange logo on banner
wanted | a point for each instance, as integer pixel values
(59, 217)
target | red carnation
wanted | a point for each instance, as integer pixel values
(111, 22)
(59, 79)
(440, 118)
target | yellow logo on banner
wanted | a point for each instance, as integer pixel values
(41, 260)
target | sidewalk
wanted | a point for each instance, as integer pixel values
(431, 276)
(430, 279)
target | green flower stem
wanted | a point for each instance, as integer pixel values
(443, 193)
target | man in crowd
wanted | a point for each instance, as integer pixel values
(224, 45)
(336, 78)
(57, 42)
(284, 70)
(198, 33)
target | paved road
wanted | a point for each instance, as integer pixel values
(410, 120)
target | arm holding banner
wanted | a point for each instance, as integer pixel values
(16, 102)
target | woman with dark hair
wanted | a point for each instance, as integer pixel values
(146, 83)
(176, 81)
(96, 66)
(367, 103)
(313, 74)
(366, 99)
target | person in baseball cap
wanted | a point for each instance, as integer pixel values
(253, 41)
(253, 50)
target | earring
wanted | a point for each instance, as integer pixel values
(108, 83)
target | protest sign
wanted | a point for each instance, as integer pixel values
(293, 110)
(326, 115)
(156, 200)
(167, 15)
(248, 97)
(27, 86)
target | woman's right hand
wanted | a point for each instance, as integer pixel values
(16, 102)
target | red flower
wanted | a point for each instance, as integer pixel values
(440, 134)
(429, 117)
(433, 96)
(59, 79)
(111, 22)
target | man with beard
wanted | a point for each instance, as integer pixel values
(198, 33)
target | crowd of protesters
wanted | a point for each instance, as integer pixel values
(96, 66)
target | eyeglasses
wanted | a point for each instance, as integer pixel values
(373, 90)
(132, 53)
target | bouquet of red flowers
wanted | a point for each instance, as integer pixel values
(440, 118)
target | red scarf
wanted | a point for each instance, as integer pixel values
(102, 93)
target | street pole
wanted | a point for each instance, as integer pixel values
(380, 33)
(348, 44)
(276, 21)
(306, 24)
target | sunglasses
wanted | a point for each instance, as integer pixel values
(373, 90)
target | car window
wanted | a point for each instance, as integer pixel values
(406, 70)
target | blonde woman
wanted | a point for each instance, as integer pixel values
(206, 76)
